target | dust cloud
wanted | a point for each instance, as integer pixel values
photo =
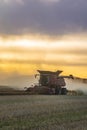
(18, 81)
(77, 84)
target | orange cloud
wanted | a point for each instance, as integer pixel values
(32, 53)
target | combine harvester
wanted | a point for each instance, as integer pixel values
(50, 83)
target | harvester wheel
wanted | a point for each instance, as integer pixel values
(57, 90)
(63, 91)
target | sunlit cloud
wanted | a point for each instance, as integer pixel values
(37, 51)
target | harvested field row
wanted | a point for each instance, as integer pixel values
(43, 112)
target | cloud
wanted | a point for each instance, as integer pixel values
(76, 84)
(45, 18)
(78, 51)
(50, 1)
(54, 55)
(12, 1)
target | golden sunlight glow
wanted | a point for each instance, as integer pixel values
(26, 55)
(46, 43)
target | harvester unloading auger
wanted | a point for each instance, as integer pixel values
(50, 83)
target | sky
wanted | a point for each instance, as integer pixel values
(43, 34)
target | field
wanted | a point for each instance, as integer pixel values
(36, 112)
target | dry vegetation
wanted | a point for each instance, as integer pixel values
(43, 112)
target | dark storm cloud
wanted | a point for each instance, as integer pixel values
(36, 16)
